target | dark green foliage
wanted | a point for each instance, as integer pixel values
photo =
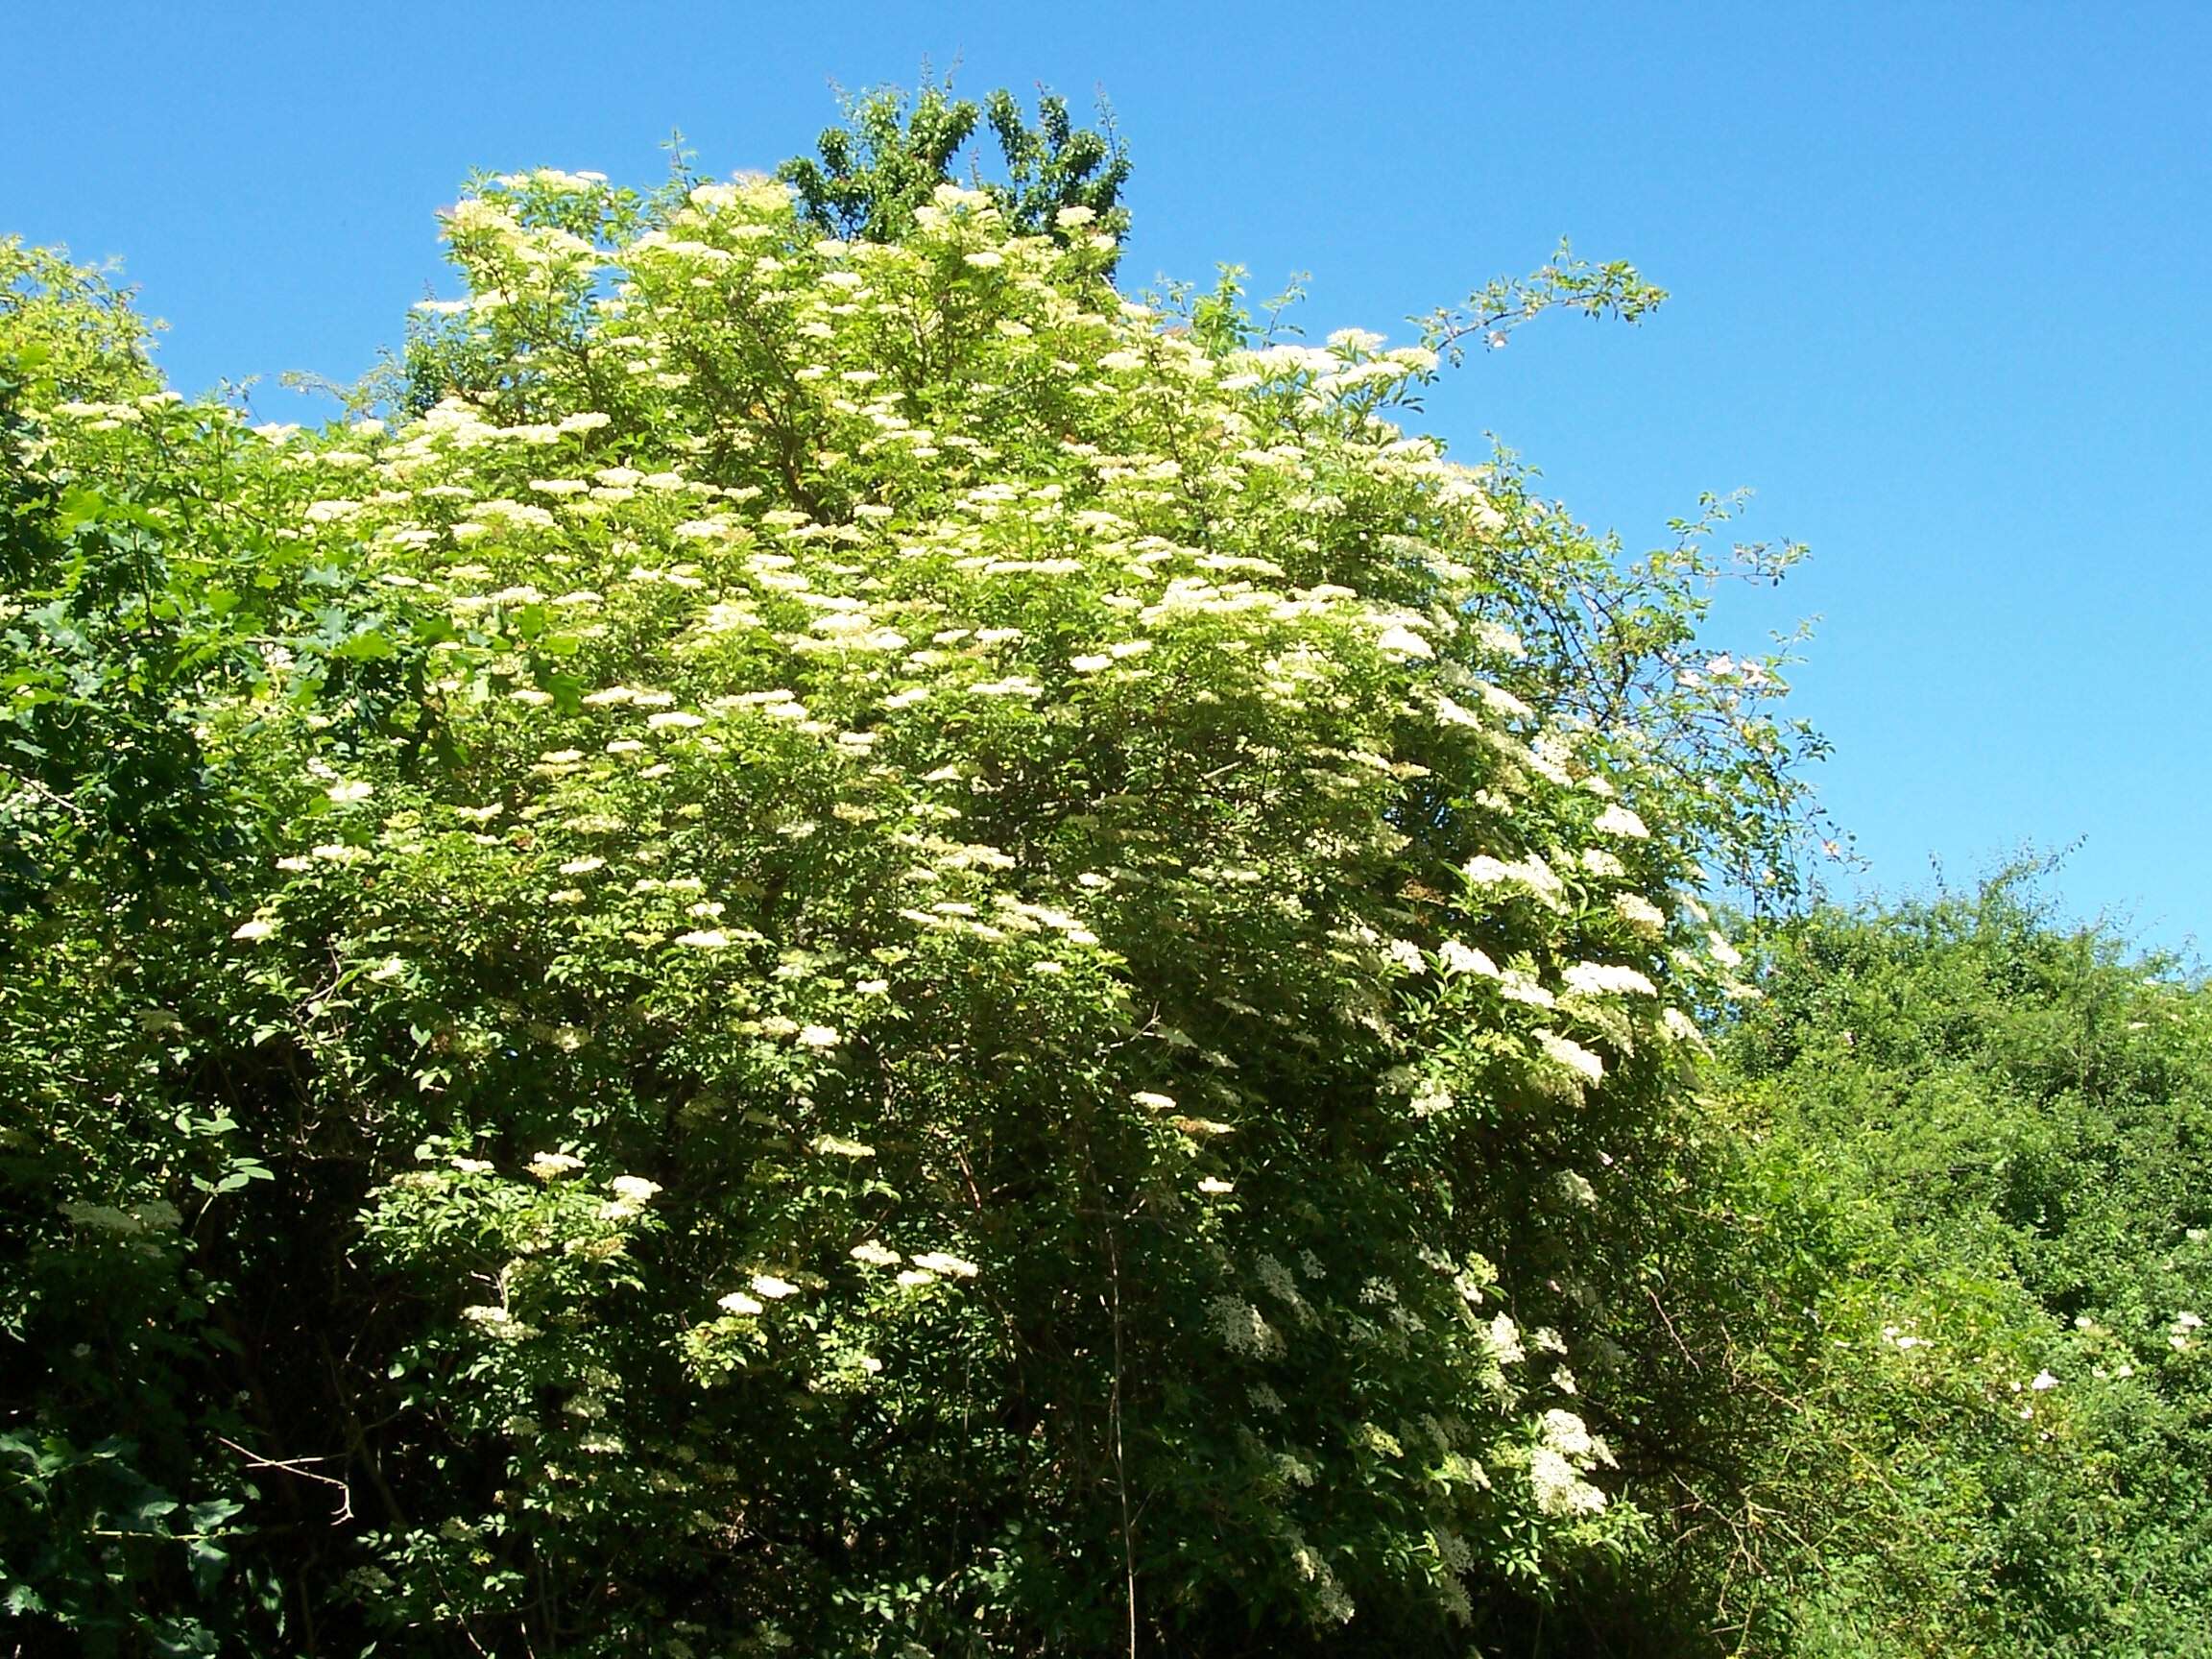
(890, 155)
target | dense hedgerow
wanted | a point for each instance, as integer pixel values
(1983, 1131)
(866, 949)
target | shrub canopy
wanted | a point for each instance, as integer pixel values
(867, 949)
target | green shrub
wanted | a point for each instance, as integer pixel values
(2003, 1121)
(851, 947)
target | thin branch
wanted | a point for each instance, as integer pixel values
(294, 1466)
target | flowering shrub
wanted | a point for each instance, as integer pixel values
(871, 951)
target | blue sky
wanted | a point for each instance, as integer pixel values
(1939, 276)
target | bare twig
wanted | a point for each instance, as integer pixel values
(295, 1466)
(1671, 1331)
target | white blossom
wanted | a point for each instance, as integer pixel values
(938, 1261)
(1572, 1055)
(1619, 820)
(1458, 958)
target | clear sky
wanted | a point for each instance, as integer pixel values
(1941, 278)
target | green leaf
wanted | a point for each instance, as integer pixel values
(371, 645)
